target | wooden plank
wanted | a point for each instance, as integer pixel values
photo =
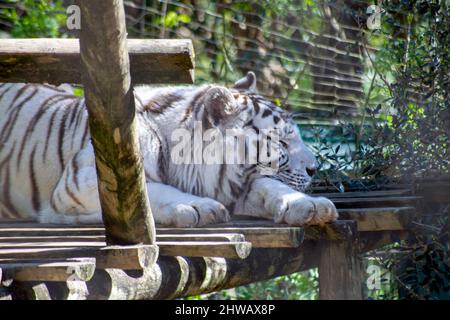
(72, 244)
(325, 187)
(10, 230)
(232, 237)
(183, 276)
(363, 194)
(285, 237)
(260, 237)
(262, 233)
(74, 270)
(331, 231)
(45, 239)
(51, 226)
(58, 61)
(337, 230)
(235, 250)
(380, 219)
(239, 249)
(127, 258)
(14, 221)
(267, 234)
(113, 125)
(339, 271)
(217, 237)
(376, 202)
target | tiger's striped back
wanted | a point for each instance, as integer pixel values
(41, 128)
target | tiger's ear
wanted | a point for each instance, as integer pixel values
(248, 83)
(220, 105)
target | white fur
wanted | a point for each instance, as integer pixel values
(180, 195)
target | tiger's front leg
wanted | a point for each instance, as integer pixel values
(172, 207)
(272, 199)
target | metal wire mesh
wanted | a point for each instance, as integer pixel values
(307, 55)
(314, 57)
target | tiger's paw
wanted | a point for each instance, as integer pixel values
(195, 213)
(299, 210)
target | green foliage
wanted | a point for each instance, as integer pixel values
(418, 100)
(33, 19)
(386, 287)
(403, 131)
(297, 286)
(78, 91)
(350, 156)
(421, 266)
(173, 19)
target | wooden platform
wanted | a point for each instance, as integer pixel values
(229, 252)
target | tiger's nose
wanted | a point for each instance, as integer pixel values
(311, 171)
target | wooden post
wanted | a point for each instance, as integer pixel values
(339, 271)
(112, 123)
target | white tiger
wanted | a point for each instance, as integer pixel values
(47, 168)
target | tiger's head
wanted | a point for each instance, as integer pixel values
(241, 107)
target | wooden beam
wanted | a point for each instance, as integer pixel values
(380, 219)
(52, 244)
(127, 258)
(174, 277)
(238, 250)
(337, 230)
(52, 239)
(28, 230)
(267, 234)
(58, 61)
(363, 194)
(230, 237)
(74, 270)
(260, 237)
(112, 123)
(217, 237)
(261, 233)
(397, 201)
(227, 249)
(339, 271)
(281, 235)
